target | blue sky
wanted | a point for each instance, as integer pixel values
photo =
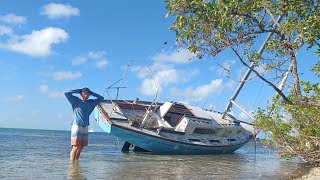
(49, 47)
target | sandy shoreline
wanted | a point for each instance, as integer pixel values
(313, 174)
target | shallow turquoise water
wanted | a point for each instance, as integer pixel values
(44, 154)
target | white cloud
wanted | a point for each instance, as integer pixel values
(163, 72)
(79, 60)
(181, 55)
(158, 76)
(97, 56)
(44, 89)
(5, 30)
(102, 63)
(149, 87)
(198, 93)
(13, 19)
(65, 75)
(144, 71)
(161, 79)
(13, 99)
(38, 43)
(55, 10)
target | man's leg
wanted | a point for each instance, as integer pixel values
(73, 153)
(77, 155)
(83, 141)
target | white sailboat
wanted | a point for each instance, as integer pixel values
(176, 128)
(172, 128)
(91, 127)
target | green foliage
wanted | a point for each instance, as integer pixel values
(294, 129)
(208, 27)
(316, 69)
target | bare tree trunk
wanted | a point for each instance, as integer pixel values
(296, 82)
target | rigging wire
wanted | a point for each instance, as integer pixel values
(117, 87)
(155, 83)
(259, 92)
(121, 80)
(154, 99)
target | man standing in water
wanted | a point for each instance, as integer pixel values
(82, 108)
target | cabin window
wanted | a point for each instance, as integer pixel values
(215, 141)
(176, 113)
(194, 140)
(172, 118)
(203, 131)
(231, 140)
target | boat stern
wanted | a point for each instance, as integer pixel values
(101, 120)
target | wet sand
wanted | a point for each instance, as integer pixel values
(312, 174)
(305, 172)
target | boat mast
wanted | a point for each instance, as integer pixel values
(245, 77)
(283, 82)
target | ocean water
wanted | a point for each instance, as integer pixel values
(44, 154)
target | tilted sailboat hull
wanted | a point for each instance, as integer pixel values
(158, 142)
(158, 145)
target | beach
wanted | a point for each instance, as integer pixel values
(312, 174)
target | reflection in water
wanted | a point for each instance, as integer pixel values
(179, 167)
(239, 165)
(75, 171)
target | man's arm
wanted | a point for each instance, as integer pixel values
(94, 102)
(99, 97)
(71, 98)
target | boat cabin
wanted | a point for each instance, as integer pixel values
(187, 119)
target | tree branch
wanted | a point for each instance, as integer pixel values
(285, 99)
(297, 90)
(272, 17)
